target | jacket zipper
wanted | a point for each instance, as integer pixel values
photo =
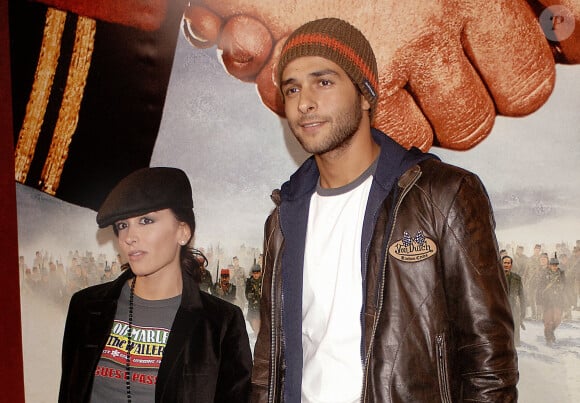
(382, 288)
(442, 368)
(273, 330)
(273, 344)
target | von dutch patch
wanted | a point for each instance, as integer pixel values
(413, 248)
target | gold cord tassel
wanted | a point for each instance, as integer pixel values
(69, 111)
(40, 93)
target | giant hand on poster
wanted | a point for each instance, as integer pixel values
(446, 67)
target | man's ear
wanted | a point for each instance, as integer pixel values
(364, 103)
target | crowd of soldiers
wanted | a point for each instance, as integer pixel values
(57, 279)
(533, 268)
(544, 286)
(238, 287)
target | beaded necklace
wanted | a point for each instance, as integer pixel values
(129, 343)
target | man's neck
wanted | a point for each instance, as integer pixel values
(342, 166)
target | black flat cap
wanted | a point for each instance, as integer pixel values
(144, 191)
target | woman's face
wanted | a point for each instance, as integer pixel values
(151, 242)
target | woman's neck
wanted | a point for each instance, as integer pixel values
(155, 288)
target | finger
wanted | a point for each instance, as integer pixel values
(449, 92)
(201, 27)
(401, 119)
(283, 17)
(266, 82)
(246, 45)
(507, 47)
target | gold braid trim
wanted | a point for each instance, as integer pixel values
(68, 115)
(36, 107)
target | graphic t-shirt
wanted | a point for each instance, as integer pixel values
(152, 321)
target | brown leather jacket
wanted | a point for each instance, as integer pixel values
(437, 324)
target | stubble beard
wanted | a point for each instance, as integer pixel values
(345, 126)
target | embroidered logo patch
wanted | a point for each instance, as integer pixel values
(413, 249)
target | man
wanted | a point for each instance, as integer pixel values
(205, 282)
(381, 277)
(535, 282)
(107, 274)
(516, 296)
(238, 279)
(530, 278)
(535, 258)
(575, 273)
(564, 266)
(223, 288)
(552, 297)
(253, 294)
(520, 263)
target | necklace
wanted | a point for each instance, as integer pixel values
(129, 343)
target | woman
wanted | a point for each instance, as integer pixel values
(184, 345)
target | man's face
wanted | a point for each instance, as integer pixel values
(507, 265)
(323, 107)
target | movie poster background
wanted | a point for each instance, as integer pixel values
(235, 151)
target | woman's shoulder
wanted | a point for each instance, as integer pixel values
(107, 290)
(214, 302)
(217, 307)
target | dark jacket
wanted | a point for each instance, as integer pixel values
(436, 322)
(516, 296)
(207, 357)
(552, 289)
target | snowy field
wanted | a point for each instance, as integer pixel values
(547, 374)
(550, 374)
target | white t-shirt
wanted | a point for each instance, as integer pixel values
(332, 294)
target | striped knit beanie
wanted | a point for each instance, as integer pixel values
(341, 43)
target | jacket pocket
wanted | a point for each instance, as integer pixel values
(442, 369)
